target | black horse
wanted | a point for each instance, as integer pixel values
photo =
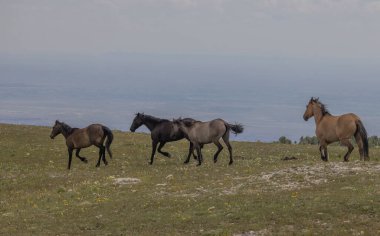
(161, 132)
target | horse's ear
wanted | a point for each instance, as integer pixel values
(56, 122)
(313, 99)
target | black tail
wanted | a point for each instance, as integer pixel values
(109, 135)
(236, 128)
(363, 135)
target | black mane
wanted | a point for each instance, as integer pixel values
(67, 129)
(323, 107)
(155, 119)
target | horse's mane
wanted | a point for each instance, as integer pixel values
(189, 121)
(155, 119)
(323, 107)
(67, 128)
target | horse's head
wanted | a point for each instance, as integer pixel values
(310, 109)
(57, 129)
(137, 122)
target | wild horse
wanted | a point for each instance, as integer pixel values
(94, 134)
(162, 131)
(200, 133)
(342, 128)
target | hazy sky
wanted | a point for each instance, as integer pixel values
(253, 61)
(295, 28)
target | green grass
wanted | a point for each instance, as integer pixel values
(258, 193)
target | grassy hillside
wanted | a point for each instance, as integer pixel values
(259, 194)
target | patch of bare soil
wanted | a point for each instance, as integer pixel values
(299, 177)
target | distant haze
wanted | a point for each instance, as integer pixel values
(267, 95)
(254, 62)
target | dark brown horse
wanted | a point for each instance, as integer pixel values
(200, 133)
(161, 132)
(94, 134)
(342, 128)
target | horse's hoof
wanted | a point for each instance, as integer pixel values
(230, 163)
(168, 155)
(186, 162)
(215, 160)
(105, 163)
(150, 163)
(97, 165)
(84, 160)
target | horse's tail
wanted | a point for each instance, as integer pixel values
(109, 134)
(364, 137)
(236, 128)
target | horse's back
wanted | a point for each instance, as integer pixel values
(347, 125)
(166, 132)
(218, 124)
(79, 139)
(95, 133)
(207, 132)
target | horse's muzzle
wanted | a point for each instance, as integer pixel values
(51, 137)
(305, 118)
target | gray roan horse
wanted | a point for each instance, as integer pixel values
(161, 132)
(342, 128)
(200, 133)
(94, 134)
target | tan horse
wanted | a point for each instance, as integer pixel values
(199, 133)
(342, 128)
(94, 134)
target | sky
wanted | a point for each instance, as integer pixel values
(257, 62)
(289, 28)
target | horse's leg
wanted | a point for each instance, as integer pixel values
(159, 149)
(199, 153)
(101, 151)
(70, 150)
(359, 141)
(104, 155)
(220, 148)
(347, 143)
(195, 156)
(323, 151)
(81, 158)
(191, 151)
(154, 146)
(226, 139)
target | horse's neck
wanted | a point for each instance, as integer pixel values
(318, 115)
(151, 123)
(66, 132)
